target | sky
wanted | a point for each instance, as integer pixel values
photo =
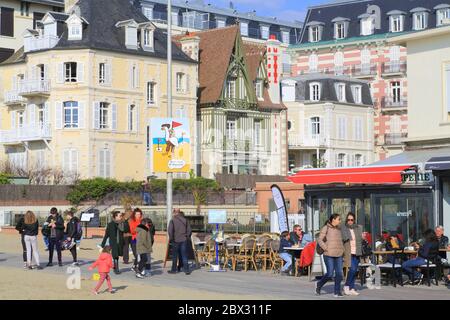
(289, 10)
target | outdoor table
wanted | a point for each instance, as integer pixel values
(300, 249)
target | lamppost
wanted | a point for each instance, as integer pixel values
(169, 104)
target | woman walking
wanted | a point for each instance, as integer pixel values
(56, 225)
(330, 240)
(143, 246)
(104, 265)
(73, 234)
(114, 233)
(30, 232)
(133, 222)
(352, 237)
(19, 227)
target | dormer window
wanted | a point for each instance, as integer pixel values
(265, 32)
(315, 30)
(75, 27)
(340, 27)
(442, 14)
(357, 96)
(367, 24)
(396, 20)
(244, 28)
(340, 92)
(314, 91)
(130, 28)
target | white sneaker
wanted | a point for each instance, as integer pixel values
(353, 292)
(347, 291)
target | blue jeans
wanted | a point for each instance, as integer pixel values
(288, 259)
(46, 241)
(352, 272)
(409, 266)
(180, 249)
(334, 266)
(147, 198)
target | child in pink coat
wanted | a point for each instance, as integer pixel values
(104, 264)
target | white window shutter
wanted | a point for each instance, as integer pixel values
(101, 163)
(74, 161)
(66, 160)
(130, 76)
(108, 74)
(31, 114)
(58, 115)
(80, 72)
(114, 116)
(137, 77)
(353, 163)
(81, 115)
(46, 113)
(128, 118)
(13, 119)
(336, 160)
(447, 75)
(137, 118)
(60, 73)
(46, 75)
(96, 116)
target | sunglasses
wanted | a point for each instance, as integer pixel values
(350, 220)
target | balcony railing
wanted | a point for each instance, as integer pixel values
(394, 67)
(13, 98)
(307, 142)
(236, 145)
(26, 133)
(40, 43)
(393, 103)
(394, 138)
(34, 87)
(361, 70)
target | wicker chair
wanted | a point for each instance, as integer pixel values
(277, 262)
(263, 253)
(228, 252)
(208, 252)
(246, 254)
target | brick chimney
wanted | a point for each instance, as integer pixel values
(274, 67)
(68, 5)
(190, 44)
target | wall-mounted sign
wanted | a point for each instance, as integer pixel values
(404, 214)
(421, 177)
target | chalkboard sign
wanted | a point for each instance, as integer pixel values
(190, 252)
(95, 221)
(197, 223)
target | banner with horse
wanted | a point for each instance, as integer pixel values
(170, 145)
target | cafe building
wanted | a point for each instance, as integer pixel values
(398, 196)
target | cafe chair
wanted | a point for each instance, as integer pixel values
(263, 253)
(430, 265)
(392, 268)
(206, 255)
(228, 252)
(277, 262)
(306, 259)
(246, 254)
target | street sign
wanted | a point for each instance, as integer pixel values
(217, 216)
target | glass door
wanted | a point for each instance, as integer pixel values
(320, 214)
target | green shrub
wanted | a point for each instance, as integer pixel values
(5, 179)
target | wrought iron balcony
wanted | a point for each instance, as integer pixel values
(394, 68)
(394, 103)
(365, 70)
(394, 138)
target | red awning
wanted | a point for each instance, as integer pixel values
(362, 175)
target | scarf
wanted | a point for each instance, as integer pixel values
(346, 234)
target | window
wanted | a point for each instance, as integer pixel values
(420, 20)
(175, 18)
(342, 128)
(285, 37)
(231, 130)
(20, 119)
(340, 92)
(41, 72)
(220, 23)
(104, 115)
(315, 126)
(181, 112)
(24, 8)
(259, 88)
(313, 62)
(314, 91)
(396, 23)
(104, 163)
(339, 30)
(148, 38)
(41, 115)
(314, 34)
(70, 160)
(358, 162)
(396, 91)
(180, 82)
(367, 26)
(7, 22)
(70, 72)
(442, 15)
(134, 77)
(244, 29)
(395, 126)
(339, 63)
(258, 141)
(340, 160)
(356, 91)
(265, 32)
(102, 73)
(132, 118)
(231, 88)
(358, 129)
(151, 87)
(70, 114)
(148, 12)
(75, 31)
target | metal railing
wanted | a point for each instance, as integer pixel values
(40, 43)
(394, 67)
(366, 69)
(13, 97)
(394, 138)
(391, 102)
(236, 145)
(308, 141)
(26, 133)
(38, 86)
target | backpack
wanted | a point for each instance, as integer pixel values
(79, 230)
(319, 249)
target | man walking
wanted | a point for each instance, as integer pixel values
(179, 233)
(146, 196)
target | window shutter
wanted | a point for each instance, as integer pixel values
(46, 115)
(107, 159)
(46, 75)
(187, 85)
(320, 32)
(101, 163)
(346, 27)
(130, 76)
(108, 74)
(32, 114)
(137, 118)
(66, 160)
(60, 73)
(96, 116)
(353, 163)
(128, 118)
(347, 160)
(426, 19)
(137, 77)
(447, 73)
(58, 115)
(81, 115)
(80, 72)
(336, 160)
(13, 119)
(114, 116)
(74, 161)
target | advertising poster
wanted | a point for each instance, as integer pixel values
(278, 198)
(170, 145)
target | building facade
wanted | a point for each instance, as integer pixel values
(351, 38)
(81, 92)
(16, 16)
(330, 121)
(242, 123)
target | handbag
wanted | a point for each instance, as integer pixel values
(319, 249)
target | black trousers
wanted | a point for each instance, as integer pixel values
(24, 248)
(126, 248)
(142, 262)
(54, 243)
(73, 251)
(133, 248)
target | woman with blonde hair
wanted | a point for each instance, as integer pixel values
(30, 231)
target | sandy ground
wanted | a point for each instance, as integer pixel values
(16, 283)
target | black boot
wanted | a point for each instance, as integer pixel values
(116, 266)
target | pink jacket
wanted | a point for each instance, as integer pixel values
(104, 263)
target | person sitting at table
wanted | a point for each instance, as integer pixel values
(298, 237)
(443, 240)
(287, 257)
(428, 251)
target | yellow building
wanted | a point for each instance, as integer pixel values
(80, 95)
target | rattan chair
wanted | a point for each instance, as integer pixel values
(246, 254)
(208, 253)
(277, 262)
(263, 254)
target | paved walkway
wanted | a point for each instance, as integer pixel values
(238, 283)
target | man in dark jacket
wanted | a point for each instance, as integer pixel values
(20, 227)
(443, 240)
(73, 235)
(56, 225)
(179, 233)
